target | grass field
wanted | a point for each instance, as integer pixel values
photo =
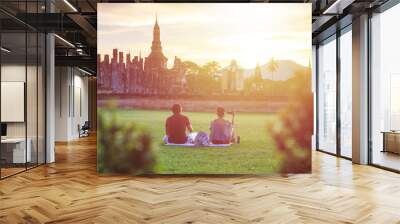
(255, 154)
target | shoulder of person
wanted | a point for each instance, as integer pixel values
(214, 121)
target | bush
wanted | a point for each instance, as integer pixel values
(292, 133)
(122, 146)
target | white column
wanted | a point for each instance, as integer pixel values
(314, 91)
(50, 99)
(360, 89)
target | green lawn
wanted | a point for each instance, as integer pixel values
(254, 155)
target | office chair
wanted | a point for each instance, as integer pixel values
(84, 130)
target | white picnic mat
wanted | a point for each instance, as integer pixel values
(192, 145)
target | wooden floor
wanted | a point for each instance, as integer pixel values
(5, 172)
(387, 159)
(70, 191)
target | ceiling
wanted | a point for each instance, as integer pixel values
(75, 22)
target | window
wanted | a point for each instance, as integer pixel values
(395, 102)
(327, 96)
(346, 93)
(385, 89)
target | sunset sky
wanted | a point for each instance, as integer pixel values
(251, 33)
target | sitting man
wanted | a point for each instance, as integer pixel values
(221, 129)
(176, 125)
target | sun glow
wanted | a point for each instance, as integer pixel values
(248, 33)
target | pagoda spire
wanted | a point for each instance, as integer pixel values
(156, 56)
(156, 44)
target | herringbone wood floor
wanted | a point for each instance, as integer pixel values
(70, 191)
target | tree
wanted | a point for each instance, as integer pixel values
(202, 80)
(272, 67)
(211, 67)
(191, 71)
(207, 77)
(190, 68)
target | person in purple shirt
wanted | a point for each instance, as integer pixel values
(221, 130)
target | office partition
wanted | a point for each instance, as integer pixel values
(22, 77)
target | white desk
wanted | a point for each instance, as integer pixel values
(17, 146)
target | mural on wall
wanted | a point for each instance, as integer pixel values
(210, 88)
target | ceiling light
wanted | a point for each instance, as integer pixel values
(5, 50)
(338, 6)
(70, 5)
(84, 71)
(64, 40)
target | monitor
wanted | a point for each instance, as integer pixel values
(3, 129)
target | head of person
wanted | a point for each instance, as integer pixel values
(176, 108)
(220, 112)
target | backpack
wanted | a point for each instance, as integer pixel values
(201, 139)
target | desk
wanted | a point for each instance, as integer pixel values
(391, 141)
(13, 150)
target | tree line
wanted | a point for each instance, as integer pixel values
(207, 80)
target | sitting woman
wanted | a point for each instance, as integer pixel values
(221, 130)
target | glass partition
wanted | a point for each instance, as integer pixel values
(14, 151)
(385, 89)
(22, 77)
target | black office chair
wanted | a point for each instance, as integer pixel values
(84, 130)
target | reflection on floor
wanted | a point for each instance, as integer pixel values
(10, 171)
(387, 159)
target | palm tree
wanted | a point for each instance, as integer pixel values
(258, 77)
(272, 67)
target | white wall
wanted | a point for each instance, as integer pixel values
(71, 94)
(10, 73)
(16, 73)
(33, 126)
(62, 82)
